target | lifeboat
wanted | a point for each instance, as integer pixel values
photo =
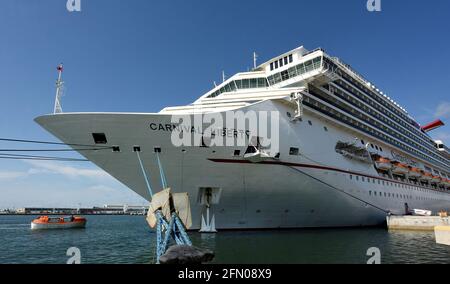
(426, 176)
(382, 163)
(400, 168)
(45, 223)
(422, 212)
(436, 179)
(415, 172)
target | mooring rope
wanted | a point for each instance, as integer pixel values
(145, 175)
(54, 150)
(49, 143)
(39, 158)
(161, 172)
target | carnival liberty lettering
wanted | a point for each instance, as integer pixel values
(224, 132)
(227, 129)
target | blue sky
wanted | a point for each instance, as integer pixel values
(143, 55)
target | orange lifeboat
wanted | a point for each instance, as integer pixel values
(400, 168)
(415, 172)
(436, 179)
(447, 182)
(426, 176)
(382, 163)
(45, 223)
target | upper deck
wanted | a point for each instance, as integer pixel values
(303, 70)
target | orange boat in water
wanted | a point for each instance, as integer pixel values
(46, 222)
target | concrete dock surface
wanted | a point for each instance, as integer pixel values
(416, 223)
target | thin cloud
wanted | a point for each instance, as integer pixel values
(442, 110)
(10, 175)
(50, 167)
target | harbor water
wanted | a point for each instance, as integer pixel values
(128, 239)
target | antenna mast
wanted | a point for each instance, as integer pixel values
(255, 58)
(59, 90)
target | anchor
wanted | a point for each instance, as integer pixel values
(208, 226)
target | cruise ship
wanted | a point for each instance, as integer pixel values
(347, 155)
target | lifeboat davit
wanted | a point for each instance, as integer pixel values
(400, 168)
(45, 223)
(415, 172)
(257, 157)
(382, 163)
(426, 176)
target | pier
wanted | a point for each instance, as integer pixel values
(105, 210)
(416, 223)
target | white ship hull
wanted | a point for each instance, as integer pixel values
(319, 188)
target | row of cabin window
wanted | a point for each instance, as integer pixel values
(364, 116)
(404, 121)
(411, 143)
(393, 195)
(400, 196)
(387, 183)
(349, 121)
(281, 62)
(355, 92)
(361, 106)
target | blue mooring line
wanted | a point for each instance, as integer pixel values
(145, 175)
(161, 172)
(174, 228)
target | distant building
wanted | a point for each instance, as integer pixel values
(105, 210)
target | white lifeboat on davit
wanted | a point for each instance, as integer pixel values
(415, 172)
(447, 182)
(426, 176)
(382, 163)
(400, 168)
(436, 179)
